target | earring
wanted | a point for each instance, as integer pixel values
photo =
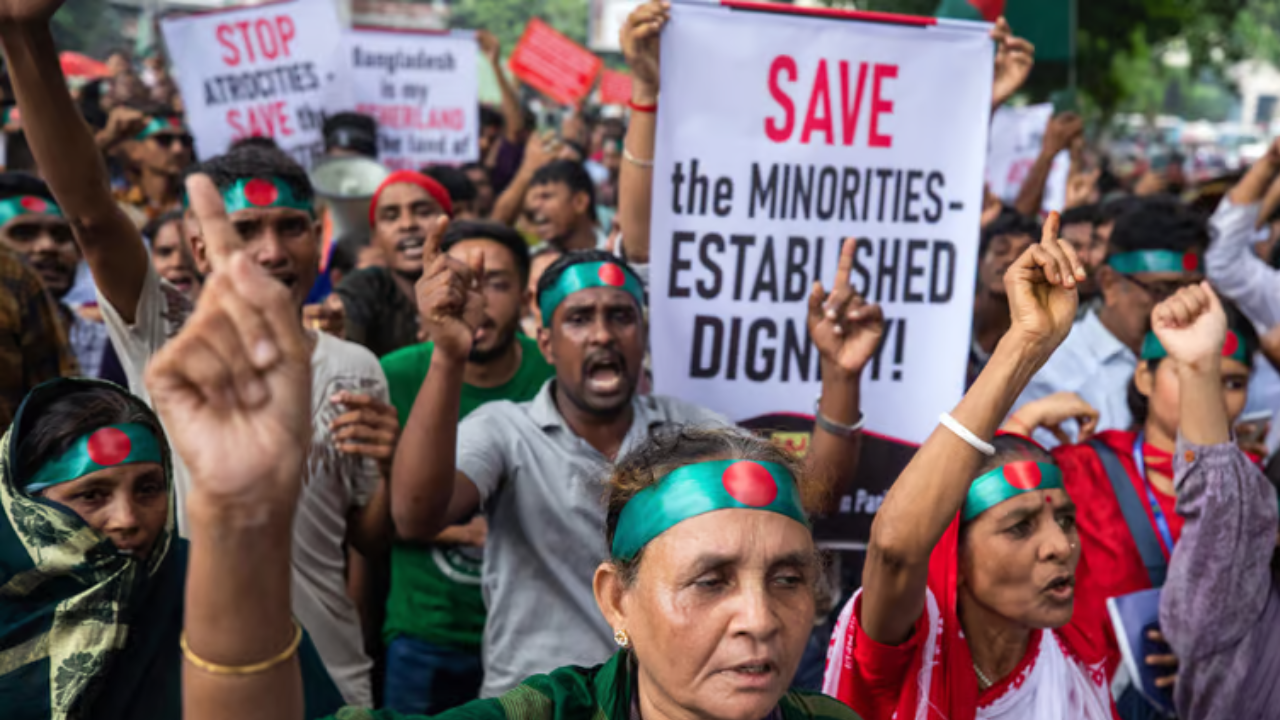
(621, 637)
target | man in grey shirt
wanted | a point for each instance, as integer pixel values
(537, 469)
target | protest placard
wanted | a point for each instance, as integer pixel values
(421, 88)
(615, 87)
(269, 70)
(775, 141)
(1016, 137)
(554, 64)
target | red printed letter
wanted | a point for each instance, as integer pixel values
(224, 39)
(879, 105)
(851, 113)
(821, 93)
(267, 44)
(248, 42)
(780, 133)
(284, 26)
(233, 119)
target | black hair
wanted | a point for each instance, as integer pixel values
(552, 274)
(1158, 223)
(491, 118)
(1080, 214)
(342, 259)
(351, 131)
(1140, 405)
(256, 162)
(71, 410)
(90, 104)
(1111, 210)
(1008, 222)
(454, 180)
(258, 141)
(474, 166)
(153, 228)
(577, 147)
(17, 184)
(505, 236)
(571, 174)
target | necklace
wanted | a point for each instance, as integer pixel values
(983, 682)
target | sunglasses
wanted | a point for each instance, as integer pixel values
(1163, 289)
(168, 139)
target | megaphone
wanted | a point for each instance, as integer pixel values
(347, 184)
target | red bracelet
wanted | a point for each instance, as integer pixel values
(642, 108)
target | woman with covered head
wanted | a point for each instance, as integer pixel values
(92, 570)
(966, 609)
(709, 585)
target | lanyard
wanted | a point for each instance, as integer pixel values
(1162, 524)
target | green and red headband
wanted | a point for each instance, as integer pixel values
(701, 488)
(1154, 261)
(258, 193)
(157, 126)
(1007, 482)
(1232, 347)
(19, 205)
(106, 447)
(585, 276)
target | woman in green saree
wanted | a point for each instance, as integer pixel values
(91, 570)
(710, 587)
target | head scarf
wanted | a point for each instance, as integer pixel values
(432, 188)
(68, 595)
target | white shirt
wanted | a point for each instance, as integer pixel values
(335, 484)
(1093, 364)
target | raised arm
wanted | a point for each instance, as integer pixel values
(930, 492)
(1013, 62)
(427, 492)
(846, 331)
(68, 156)
(640, 38)
(512, 114)
(1220, 574)
(1061, 132)
(241, 422)
(540, 150)
(1230, 262)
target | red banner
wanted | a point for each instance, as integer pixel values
(615, 88)
(554, 64)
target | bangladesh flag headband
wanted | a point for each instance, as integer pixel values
(585, 276)
(260, 192)
(162, 125)
(1154, 261)
(12, 207)
(110, 446)
(1008, 482)
(1153, 349)
(701, 488)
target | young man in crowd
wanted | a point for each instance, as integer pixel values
(269, 203)
(157, 155)
(1002, 242)
(435, 611)
(1154, 250)
(537, 465)
(462, 192)
(33, 345)
(560, 207)
(479, 176)
(1079, 227)
(33, 226)
(379, 302)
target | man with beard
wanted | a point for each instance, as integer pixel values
(538, 465)
(1002, 242)
(157, 156)
(33, 225)
(435, 610)
(378, 302)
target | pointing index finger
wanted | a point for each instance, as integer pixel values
(219, 235)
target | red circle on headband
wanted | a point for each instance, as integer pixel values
(109, 446)
(1231, 344)
(34, 204)
(175, 123)
(1023, 475)
(611, 275)
(1191, 262)
(261, 192)
(750, 484)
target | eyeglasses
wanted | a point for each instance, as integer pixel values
(168, 139)
(1161, 290)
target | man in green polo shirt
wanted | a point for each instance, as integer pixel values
(435, 612)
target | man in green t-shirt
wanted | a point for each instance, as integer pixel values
(435, 612)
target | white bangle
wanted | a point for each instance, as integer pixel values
(626, 155)
(964, 434)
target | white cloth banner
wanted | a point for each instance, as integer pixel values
(269, 70)
(1016, 137)
(780, 134)
(421, 87)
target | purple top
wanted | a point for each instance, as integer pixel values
(1220, 607)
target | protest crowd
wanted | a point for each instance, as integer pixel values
(280, 447)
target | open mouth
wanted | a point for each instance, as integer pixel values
(755, 674)
(289, 280)
(605, 374)
(1061, 588)
(411, 246)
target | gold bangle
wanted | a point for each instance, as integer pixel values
(254, 669)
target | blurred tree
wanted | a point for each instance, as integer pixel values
(91, 27)
(507, 18)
